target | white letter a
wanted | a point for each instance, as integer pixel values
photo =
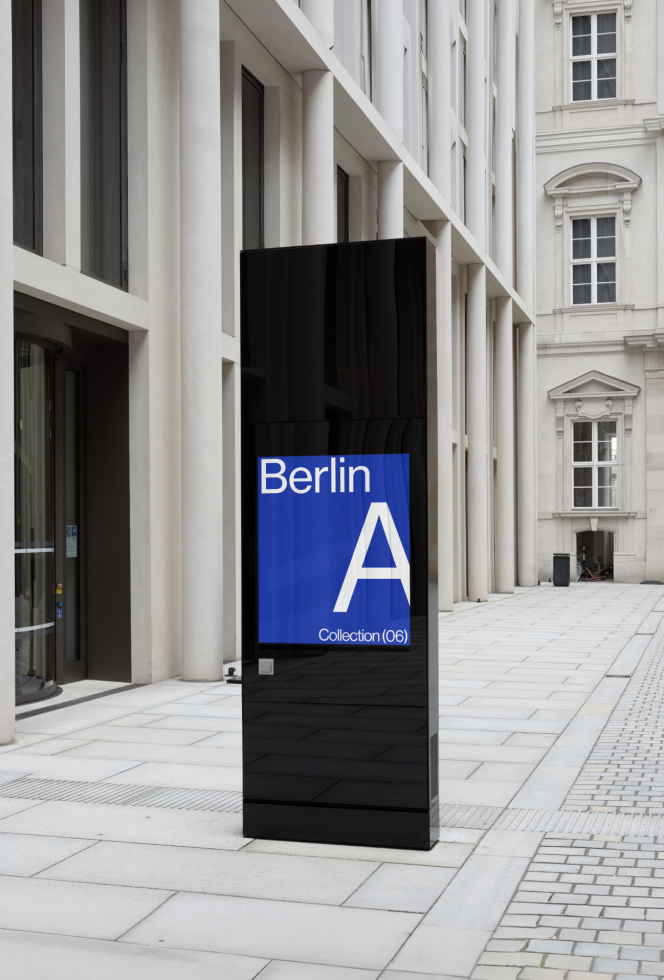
(356, 571)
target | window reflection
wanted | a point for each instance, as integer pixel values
(34, 519)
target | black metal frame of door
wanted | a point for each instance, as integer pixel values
(76, 670)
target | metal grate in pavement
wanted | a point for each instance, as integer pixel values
(573, 822)
(29, 788)
(469, 817)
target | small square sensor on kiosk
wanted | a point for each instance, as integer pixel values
(266, 666)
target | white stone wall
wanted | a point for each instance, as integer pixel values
(618, 142)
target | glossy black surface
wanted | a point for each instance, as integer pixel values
(340, 743)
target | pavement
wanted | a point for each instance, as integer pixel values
(121, 847)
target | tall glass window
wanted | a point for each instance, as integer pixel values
(424, 106)
(595, 475)
(365, 47)
(593, 73)
(27, 122)
(104, 140)
(252, 161)
(593, 243)
(34, 520)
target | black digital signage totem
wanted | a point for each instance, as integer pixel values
(339, 544)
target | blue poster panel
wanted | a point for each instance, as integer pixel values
(334, 550)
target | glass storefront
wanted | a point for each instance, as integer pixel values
(34, 520)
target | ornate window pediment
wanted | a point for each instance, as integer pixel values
(593, 395)
(587, 179)
(594, 384)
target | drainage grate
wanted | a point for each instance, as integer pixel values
(572, 822)
(29, 788)
(469, 817)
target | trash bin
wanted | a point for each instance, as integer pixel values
(561, 569)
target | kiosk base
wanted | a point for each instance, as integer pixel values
(412, 829)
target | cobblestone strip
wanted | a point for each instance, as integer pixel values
(593, 906)
(625, 770)
(585, 906)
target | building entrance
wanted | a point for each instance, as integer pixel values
(595, 553)
(71, 547)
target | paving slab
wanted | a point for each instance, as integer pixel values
(74, 908)
(187, 755)
(135, 824)
(362, 938)
(401, 888)
(223, 778)
(60, 767)
(288, 878)
(443, 855)
(70, 719)
(32, 956)
(26, 854)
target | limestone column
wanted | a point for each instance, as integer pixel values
(476, 190)
(527, 463)
(504, 419)
(440, 163)
(321, 15)
(390, 199)
(477, 486)
(318, 177)
(7, 611)
(525, 277)
(389, 102)
(443, 233)
(525, 283)
(200, 308)
(504, 230)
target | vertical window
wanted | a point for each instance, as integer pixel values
(342, 205)
(595, 480)
(465, 183)
(593, 277)
(103, 25)
(593, 68)
(365, 48)
(424, 108)
(27, 123)
(464, 75)
(252, 161)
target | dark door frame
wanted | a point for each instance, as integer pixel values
(65, 672)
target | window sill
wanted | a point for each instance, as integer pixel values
(594, 104)
(595, 308)
(594, 512)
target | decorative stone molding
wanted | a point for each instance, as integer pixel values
(592, 178)
(628, 415)
(558, 13)
(645, 341)
(655, 125)
(594, 395)
(627, 5)
(559, 210)
(589, 180)
(594, 385)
